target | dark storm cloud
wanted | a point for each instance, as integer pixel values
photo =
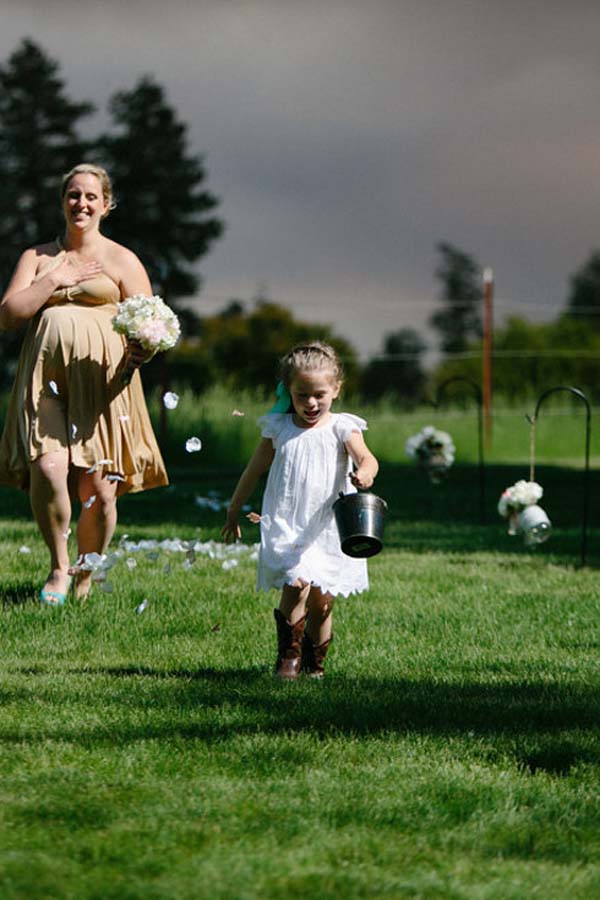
(346, 139)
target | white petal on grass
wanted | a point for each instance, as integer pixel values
(193, 444)
(90, 502)
(142, 606)
(24, 549)
(187, 564)
(238, 412)
(170, 400)
(131, 563)
(229, 564)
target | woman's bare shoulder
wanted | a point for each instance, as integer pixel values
(125, 268)
(119, 254)
(37, 257)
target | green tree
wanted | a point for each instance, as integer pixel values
(399, 372)
(529, 358)
(39, 142)
(584, 296)
(163, 212)
(459, 321)
(242, 349)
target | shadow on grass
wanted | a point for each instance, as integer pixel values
(535, 713)
(17, 595)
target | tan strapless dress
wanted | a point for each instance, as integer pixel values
(68, 393)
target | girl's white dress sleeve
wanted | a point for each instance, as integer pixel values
(299, 536)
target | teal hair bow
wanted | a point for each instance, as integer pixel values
(284, 400)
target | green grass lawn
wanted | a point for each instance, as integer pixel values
(451, 752)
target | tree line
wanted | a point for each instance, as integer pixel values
(169, 218)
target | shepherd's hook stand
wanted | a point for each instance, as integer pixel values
(586, 472)
(479, 398)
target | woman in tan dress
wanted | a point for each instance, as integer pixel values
(74, 429)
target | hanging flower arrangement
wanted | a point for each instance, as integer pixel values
(518, 504)
(433, 450)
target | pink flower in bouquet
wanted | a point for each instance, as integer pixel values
(152, 333)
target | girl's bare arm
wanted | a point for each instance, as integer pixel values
(367, 466)
(258, 465)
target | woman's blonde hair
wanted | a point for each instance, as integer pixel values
(102, 176)
(312, 356)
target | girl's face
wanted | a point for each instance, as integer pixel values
(312, 395)
(83, 202)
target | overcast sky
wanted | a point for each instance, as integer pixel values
(346, 139)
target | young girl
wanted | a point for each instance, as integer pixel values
(309, 451)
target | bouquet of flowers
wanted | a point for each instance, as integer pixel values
(432, 449)
(149, 322)
(518, 504)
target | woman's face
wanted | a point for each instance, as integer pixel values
(83, 202)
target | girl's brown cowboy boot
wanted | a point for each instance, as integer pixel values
(313, 657)
(289, 646)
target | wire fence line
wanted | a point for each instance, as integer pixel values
(496, 354)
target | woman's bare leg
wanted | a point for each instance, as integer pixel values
(51, 507)
(97, 521)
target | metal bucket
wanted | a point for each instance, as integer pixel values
(360, 520)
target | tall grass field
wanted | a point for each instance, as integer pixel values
(452, 751)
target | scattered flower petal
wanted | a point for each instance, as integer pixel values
(73, 431)
(229, 564)
(131, 563)
(142, 606)
(193, 444)
(90, 502)
(24, 549)
(66, 533)
(93, 560)
(97, 465)
(254, 517)
(238, 412)
(123, 418)
(53, 387)
(114, 477)
(170, 400)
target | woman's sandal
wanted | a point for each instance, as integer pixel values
(53, 597)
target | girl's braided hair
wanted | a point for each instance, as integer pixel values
(312, 356)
